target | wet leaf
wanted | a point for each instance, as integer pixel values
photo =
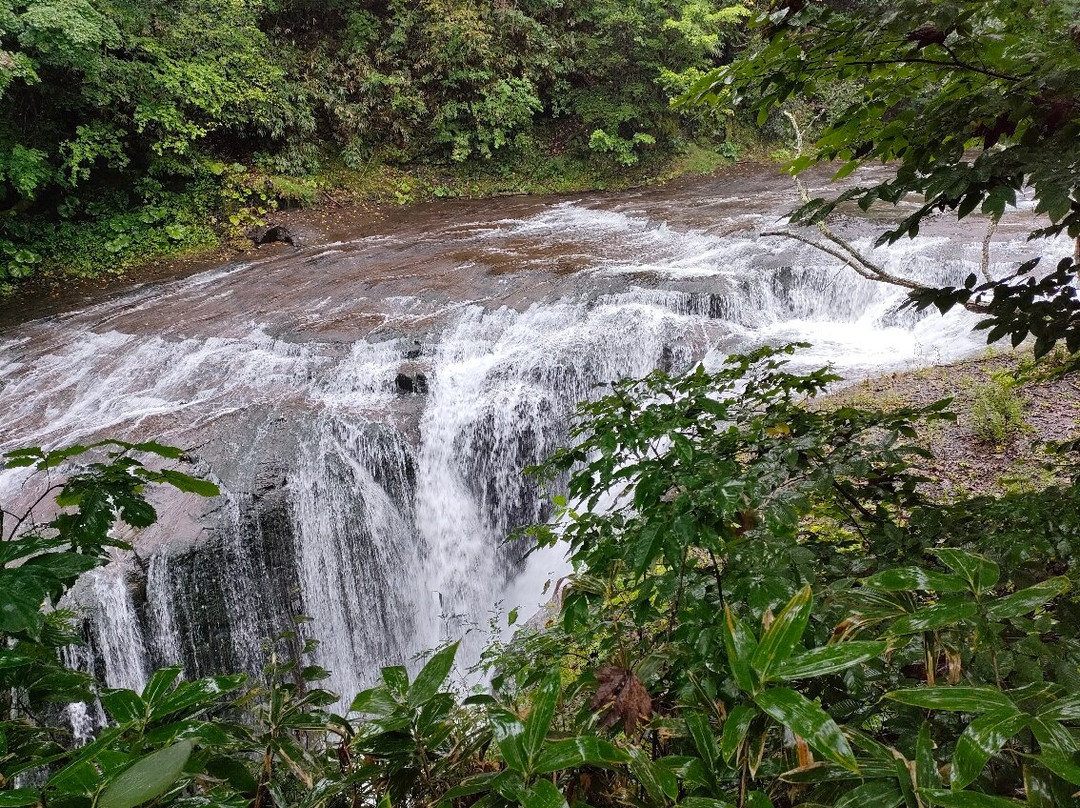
(983, 739)
(736, 726)
(784, 634)
(905, 579)
(808, 720)
(740, 645)
(1028, 600)
(581, 751)
(980, 572)
(829, 659)
(432, 676)
(149, 777)
(965, 799)
(544, 701)
(958, 699)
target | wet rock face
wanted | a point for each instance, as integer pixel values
(411, 383)
(277, 233)
(494, 460)
(210, 585)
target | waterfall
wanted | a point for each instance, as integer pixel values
(118, 637)
(368, 408)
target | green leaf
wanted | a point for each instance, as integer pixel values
(17, 798)
(538, 722)
(125, 706)
(190, 485)
(784, 634)
(147, 778)
(1039, 787)
(432, 676)
(544, 794)
(874, 794)
(984, 738)
(1028, 600)
(645, 545)
(829, 659)
(64, 566)
(926, 769)
(235, 772)
(200, 693)
(1064, 709)
(703, 802)
(965, 799)
(660, 784)
(159, 684)
(807, 719)
(20, 609)
(697, 724)
(758, 799)
(690, 770)
(980, 572)
(477, 784)
(508, 731)
(957, 699)
(160, 449)
(584, 750)
(908, 579)
(740, 645)
(10, 659)
(736, 725)
(510, 786)
(374, 701)
(1057, 749)
(930, 618)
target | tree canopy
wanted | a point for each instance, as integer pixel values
(974, 101)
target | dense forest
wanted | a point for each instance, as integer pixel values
(129, 129)
(775, 600)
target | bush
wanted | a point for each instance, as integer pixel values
(997, 412)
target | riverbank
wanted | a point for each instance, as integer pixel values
(81, 272)
(343, 204)
(1009, 410)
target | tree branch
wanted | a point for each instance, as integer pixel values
(900, 60)
(848, 254)
(986, 250)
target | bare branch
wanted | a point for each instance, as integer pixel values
(30, 511)
(986, 250)
(848, 254)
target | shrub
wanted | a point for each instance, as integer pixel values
(997, 412)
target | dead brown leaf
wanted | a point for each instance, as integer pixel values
(624, 697)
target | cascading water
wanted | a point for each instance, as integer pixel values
(368, 407)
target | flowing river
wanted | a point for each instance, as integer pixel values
(368, 405)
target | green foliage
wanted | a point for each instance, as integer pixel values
(622, 148)
(972, 102)
(1045, 308)
(725, 484)
(934, 83)
(997, 413)
(215, 112)
(39, 561)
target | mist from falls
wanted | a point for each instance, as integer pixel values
(368, 406)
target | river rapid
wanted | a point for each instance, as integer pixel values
(368, 403)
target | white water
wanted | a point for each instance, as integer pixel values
(381, 515)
